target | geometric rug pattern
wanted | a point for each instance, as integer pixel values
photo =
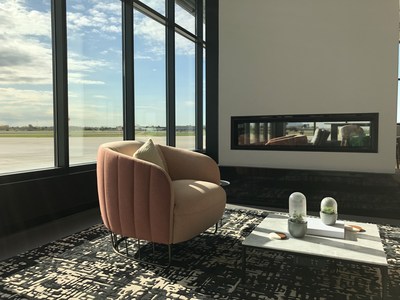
(84, 266)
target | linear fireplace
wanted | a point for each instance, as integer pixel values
(356, 132)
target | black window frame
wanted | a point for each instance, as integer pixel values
(171, 28)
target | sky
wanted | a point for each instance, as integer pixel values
(94, 65)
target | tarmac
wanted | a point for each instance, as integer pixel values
(23, 153)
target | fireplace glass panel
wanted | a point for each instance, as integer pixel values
(339, 132)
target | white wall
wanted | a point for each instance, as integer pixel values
(309, 56)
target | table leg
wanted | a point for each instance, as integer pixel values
(385, 281)
(243, 262)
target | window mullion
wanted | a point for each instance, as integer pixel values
(128, 71)
(170, 76)
(60, 83)
(199, 77)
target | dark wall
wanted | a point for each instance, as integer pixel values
(360, 194)
(31, 201)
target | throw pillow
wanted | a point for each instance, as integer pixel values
(149, 152)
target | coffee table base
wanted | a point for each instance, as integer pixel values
(313, 261)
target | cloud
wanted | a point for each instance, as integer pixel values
(189, 103)
(153, 35)
(78, 6)
(15, 18)
(157, 5)
(80, 67)
(101, 113)
(184, 46)
(26, 56)
(26, 50)
(98, 16)
(185, 19)
(29, 102)
(79, 78)
(144, 57)
(91, 23)
(10, 57)
(25, 61)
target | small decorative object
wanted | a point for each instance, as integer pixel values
(277, 236)
(297, 222)
(328, 211)
(355, 228)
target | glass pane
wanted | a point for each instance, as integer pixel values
(157, 5)
(26, 91)
(185, 13)
(313, 132)
(94, 76)
(150, 86)
(185, 92)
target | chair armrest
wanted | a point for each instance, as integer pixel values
(185, 164)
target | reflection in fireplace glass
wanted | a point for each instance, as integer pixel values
(345, 132)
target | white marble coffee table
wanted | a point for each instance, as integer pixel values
(357, 247)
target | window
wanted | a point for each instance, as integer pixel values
(185, 15)
(94, 76)
(185, 92)
(157, 5)
(150, 82)
(62, 91)
(26, 89)
(166, 81)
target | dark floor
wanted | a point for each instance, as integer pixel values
(23, 241)
(34, 237)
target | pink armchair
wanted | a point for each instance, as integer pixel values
(139, 199)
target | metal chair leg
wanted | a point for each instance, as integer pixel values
(124, 251)
(216, 227)
(169, 254)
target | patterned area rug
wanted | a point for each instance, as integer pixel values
(84, 266)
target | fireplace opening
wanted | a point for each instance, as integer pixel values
(318, 132)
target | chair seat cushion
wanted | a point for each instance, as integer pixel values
(198, 205)
(193, 196)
